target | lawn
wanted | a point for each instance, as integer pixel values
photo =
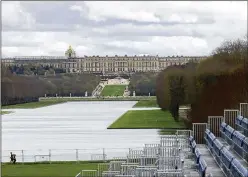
(51, 101)
(5, 112)
(120, 98)
(31, 105)
(113, 90)
(147, 119)
(146, 103)
(46, 170)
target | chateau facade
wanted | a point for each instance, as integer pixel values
(102, 64)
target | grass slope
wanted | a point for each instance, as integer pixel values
(46, 170)
(31, 105)
(147, 119)
(113, 90)
(146, 103)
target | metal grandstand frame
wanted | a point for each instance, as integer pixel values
(183, 138)
(170, 173)
(243, 108)
(233, 138)
(168, 158)
(230, 116)
(145, 171)
(134, 156)
(198, 132)
(214, 123)
(129, 168)
(110, 173)
(115, 165)
(101, 168)
(87, 173)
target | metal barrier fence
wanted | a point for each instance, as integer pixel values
(230, 115)
(76, 155)
(169, 158)
(243, 109)
(198, 132)
(214, 123)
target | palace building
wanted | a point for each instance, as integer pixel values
(102, 64)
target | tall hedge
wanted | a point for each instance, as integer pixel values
(219, 82)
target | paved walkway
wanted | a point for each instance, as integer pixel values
(212, 166)
(150, 108)
(117, 81)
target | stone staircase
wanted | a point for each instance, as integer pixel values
(98, 89)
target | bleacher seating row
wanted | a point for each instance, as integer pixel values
(227, 161)
(235, 138)
(200, 162)
(172, 158)
(242, 124)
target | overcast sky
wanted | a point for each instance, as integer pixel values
(119, 28)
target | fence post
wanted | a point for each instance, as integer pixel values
(50, 154)
(103, 153)
(22, 157)
(77, 155)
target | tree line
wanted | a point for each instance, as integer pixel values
(216, 83)
(27, 88)
(143, 83)
(30, 69)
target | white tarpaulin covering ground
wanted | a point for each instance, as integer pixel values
(70, 126)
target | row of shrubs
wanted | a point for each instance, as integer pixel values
(17, 89)
(216, 83)
(17, 100)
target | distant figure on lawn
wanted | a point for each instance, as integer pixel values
(12, 158)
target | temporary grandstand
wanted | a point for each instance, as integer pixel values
(218, 148)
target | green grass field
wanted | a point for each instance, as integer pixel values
(147, 119)
(32, 105)
(120, 98)
(46, 170)
(146, 103)
(113, 90)
(5, 112)
(51, 101)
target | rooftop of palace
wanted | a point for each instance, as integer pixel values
(98, 57)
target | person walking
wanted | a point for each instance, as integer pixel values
(12, 158)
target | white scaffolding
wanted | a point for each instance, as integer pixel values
(146, 171)
(102, 167)
(171, 157)
(170, 173)
(88, 173)
(115, 165)
(110, 173)
(129, 168)
(134, 156)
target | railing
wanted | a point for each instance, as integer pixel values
(98, 89)
(52, 155)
